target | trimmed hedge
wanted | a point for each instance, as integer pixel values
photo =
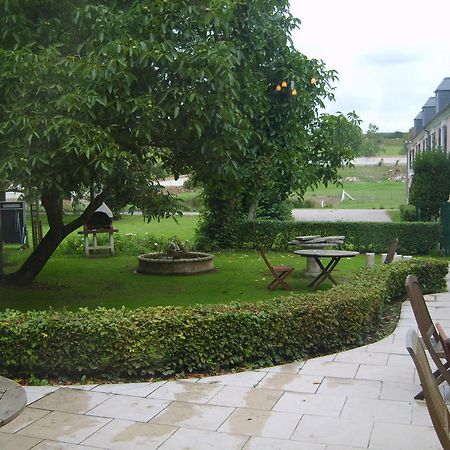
(163, 341)
(415, 238)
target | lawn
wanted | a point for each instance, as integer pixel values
(73, 282)
(183, 227)
(76, 281)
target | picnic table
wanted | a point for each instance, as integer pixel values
(13, 400)
(325, 271)
(315, 242)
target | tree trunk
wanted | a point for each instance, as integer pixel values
(31, 268)
(252, 209)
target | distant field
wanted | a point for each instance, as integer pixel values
(394, 147)
(372, 187)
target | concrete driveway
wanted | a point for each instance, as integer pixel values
(340, 215)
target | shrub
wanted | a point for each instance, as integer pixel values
(416, 238)
(168, 340)
(408, 213)
(124, 244)
(300, 203)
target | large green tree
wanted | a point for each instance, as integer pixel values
(92, 93)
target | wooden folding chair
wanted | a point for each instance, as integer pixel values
(279, 273)
(429, 333)
(435, 403)
(444, 340)
(391, 251)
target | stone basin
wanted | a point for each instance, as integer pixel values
(190, 264)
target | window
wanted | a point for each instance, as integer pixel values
(444, 137)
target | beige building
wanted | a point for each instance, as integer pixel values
(431, 125)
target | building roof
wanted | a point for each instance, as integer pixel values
(445, 85)
(430, 103)
(419, 116)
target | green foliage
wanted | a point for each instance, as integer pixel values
(408, 213)
(218, 225)
(165, 341)
(285, 138)
(431, 183)
(270, 208)
(414, 238)
(124, 244)
(299, 203)
(372, 142)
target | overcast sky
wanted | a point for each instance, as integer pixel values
(390, 55)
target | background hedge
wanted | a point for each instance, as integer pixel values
(415, 238)
(162, 341)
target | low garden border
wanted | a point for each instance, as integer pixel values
(169, 340)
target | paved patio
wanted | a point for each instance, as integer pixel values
(359, 399)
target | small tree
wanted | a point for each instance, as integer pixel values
(371, 142)
(431, 183)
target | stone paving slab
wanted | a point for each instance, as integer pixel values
(358, 399)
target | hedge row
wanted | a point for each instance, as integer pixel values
(169, 340)
(415, 238)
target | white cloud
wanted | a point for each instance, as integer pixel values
(390, 55)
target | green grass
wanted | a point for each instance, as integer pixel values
(73, 282)
(393, 150)
(183, 228)
(395, 215)
(393, 147)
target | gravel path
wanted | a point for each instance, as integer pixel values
(342, 215)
